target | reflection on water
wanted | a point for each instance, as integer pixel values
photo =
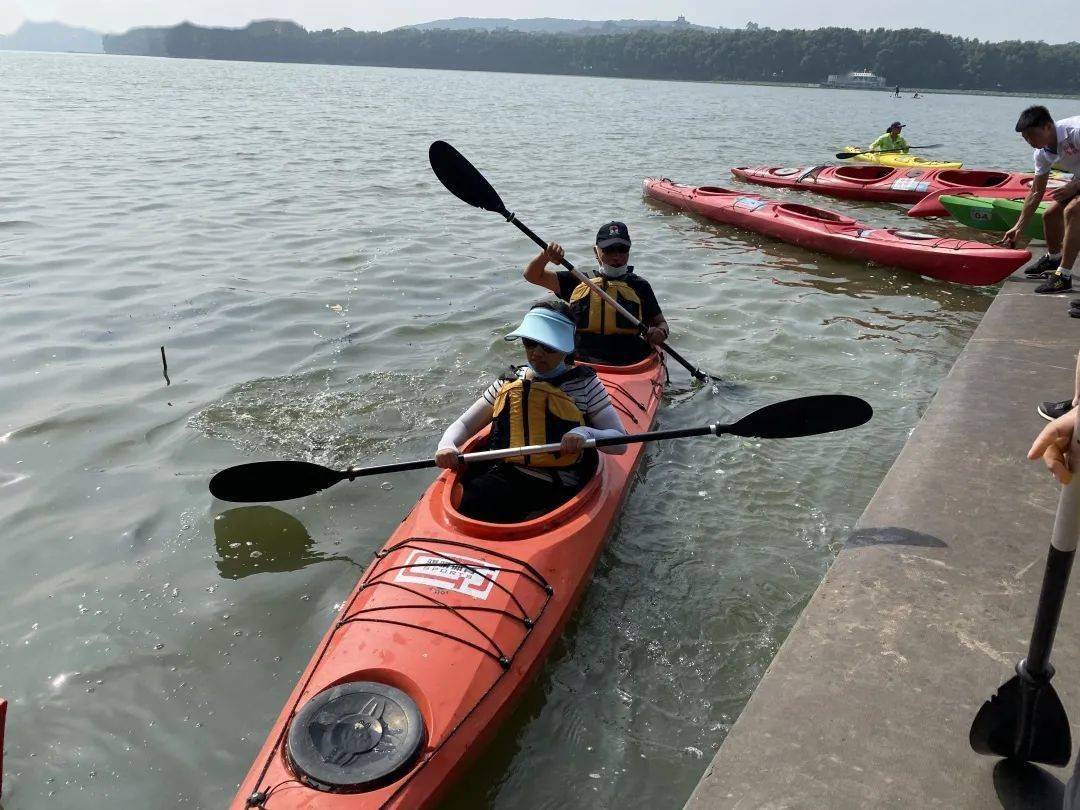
(262, 539)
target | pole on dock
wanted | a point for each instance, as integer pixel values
(3, 719)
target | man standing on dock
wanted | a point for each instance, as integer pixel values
(1055, 142)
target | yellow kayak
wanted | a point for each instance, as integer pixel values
(900, 160)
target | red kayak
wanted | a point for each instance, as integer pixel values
(440, 637)
(930, 205)
(885, 184)
(817, 229)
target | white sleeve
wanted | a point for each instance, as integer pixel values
(604, 425)
(1042, 162)
(467, 425)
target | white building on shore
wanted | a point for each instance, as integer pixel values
(862, 79)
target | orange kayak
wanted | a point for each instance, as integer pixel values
(440, 637)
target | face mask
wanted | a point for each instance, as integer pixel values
(607, 271)
(555, 372)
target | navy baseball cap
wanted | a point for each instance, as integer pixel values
(613, 233)
(895, 125)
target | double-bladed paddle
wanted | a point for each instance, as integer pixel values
(465, 182)
(846, 155)
(1025, 720)
(264, 481)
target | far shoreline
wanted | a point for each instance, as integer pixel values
(748, 83)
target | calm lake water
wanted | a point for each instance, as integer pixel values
(320, 296)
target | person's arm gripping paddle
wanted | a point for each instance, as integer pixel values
(537, 271)
(1031, 204)
(448, 456)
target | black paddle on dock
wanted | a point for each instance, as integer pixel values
(263, 481)
(465, 182)
(846, 155)
(1024, 720)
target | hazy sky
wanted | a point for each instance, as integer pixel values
(1050, 20)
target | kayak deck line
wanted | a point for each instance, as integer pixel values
(376, 576)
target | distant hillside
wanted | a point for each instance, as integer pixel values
(912, 57)
(556, 25)
(52, 36)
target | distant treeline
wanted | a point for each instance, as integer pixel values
(911, 57)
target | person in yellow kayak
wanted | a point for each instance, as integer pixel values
(892, 140)
(604, 335)
(550, 399)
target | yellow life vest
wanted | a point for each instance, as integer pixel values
(536, 412)
(595, 316)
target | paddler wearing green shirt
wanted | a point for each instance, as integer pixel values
(891, 141)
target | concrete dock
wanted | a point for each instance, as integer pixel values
(929, 605)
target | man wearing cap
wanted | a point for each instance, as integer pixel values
(547, 401)
(603, 334)
(892, 140)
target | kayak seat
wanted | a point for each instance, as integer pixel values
(818, 214)
(972, 178)
(863, 174)
(550, 501)
(705, 191)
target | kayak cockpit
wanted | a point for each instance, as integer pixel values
(972, 178)
(531, 525)
(815, 214)
(863, 174)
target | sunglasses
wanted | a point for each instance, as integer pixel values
(530, 344)
(615, 249)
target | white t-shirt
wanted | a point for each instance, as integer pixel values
(1068, 148)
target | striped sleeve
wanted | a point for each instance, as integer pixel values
(590, 396)
(492, 392)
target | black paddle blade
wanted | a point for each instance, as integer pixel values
(804, 416)
(997, 728)
(462, 179)
(264, 481)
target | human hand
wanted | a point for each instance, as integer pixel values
(572, 443)
(1052, 445)
(1010, 237)
(656, 335)
(554, 253)
(449, 458)
(1066, 192)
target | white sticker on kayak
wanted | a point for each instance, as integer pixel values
(910, 184)
(749, 203)
(451, 572)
